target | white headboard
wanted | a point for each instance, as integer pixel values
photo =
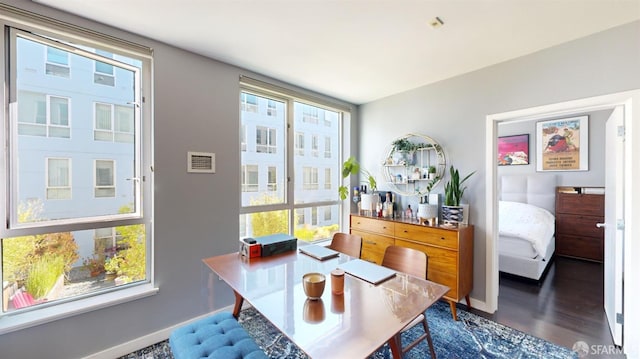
(536, 189)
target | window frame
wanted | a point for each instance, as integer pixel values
(42, 36)
(45, 29)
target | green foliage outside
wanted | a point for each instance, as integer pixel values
(130, 264)
(266, 223)
(43, 274)
(314, 234)
(25, 255)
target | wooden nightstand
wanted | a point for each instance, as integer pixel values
(576, 233)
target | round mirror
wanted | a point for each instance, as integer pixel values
(414, 165)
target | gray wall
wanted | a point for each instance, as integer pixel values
(454, 111)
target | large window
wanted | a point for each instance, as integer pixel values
(285, 195)
(78, 173)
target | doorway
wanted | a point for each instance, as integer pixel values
(558, 110)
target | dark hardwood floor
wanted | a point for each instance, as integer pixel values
(565, 308)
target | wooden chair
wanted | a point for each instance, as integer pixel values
(413, 262)
(349, 244)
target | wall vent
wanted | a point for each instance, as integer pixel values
(201, 162)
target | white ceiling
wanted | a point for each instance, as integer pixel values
(359, 50)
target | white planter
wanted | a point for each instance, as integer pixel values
(369, 201)
(428, 213)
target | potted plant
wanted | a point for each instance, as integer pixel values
(431, 171)
(368, 200)
(453, 191)
(403, 151)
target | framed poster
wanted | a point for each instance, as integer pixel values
(513, 150)
(563, 144)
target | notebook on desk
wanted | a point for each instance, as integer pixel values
(319, 252)
(367, 271)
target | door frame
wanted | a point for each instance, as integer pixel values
(628, 99)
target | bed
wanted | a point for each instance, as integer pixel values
(526, 224)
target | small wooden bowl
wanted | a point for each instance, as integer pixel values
(313, 284)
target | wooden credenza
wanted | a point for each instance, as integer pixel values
(576, 233)
(450, 250)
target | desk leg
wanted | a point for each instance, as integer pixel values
(238, 306)
(394, 344)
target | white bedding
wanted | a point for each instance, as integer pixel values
(528, 222)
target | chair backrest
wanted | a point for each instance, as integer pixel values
(349, 244)
(406, 260)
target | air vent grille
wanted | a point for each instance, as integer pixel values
(201, 162)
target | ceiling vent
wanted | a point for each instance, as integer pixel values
(201, 162)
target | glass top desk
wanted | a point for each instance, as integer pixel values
(351, 325)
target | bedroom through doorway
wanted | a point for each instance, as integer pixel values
(598, 110)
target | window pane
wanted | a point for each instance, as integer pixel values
(54, 266)
(264, 223)
(124, 125)
(104, 179)
(59, 111)
(307, 188)
(58, 178)
(267, 159)
(103, 67)
(272, 180)
(57, 56)
(59, 107)
(32, 108)
(103, 116)
(319, 222)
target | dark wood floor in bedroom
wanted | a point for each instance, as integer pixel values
(566, 307)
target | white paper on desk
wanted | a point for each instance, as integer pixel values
(367, 271)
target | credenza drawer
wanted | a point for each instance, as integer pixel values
(428, 235)
(372, 225)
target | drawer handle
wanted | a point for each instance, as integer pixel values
(405, 231)
(600, 225)
(442, 238)
(370, 242)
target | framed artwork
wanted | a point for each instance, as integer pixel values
(563, 144)
(513, 150)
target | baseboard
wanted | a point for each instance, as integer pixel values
(147, 340)
(479, 305)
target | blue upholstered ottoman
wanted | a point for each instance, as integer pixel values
(217, 336)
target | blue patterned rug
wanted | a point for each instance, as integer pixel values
(471, 336)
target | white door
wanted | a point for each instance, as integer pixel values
(613, 222)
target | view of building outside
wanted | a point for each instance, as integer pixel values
(73, 160)
(308, 202)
